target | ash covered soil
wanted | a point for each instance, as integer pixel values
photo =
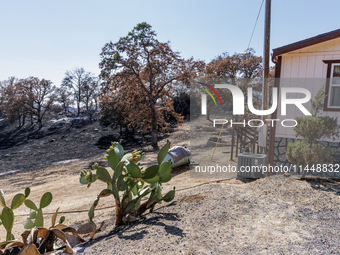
(59, 141)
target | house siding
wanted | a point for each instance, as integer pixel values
(305, 68)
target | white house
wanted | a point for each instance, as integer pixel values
(310, 64)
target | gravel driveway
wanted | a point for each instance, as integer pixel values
(276, 215)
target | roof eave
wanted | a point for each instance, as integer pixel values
(305, 43)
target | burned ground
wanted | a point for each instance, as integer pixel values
(59, 141)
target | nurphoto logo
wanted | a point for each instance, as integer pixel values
(238, 104)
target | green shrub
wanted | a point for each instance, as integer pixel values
(302, 154)
(313, 129)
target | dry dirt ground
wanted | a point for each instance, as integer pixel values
(203, 138)
(276, 215)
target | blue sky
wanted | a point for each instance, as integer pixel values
(46, 38)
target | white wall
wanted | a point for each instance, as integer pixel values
(305, 68)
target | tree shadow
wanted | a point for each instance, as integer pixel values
(104, 142)
(180, 169)
(134, 236)
(119, 232)
(15, 137)
(246, 180)
(127, 232)
(327, 185)
(3, 124)
(172, 230)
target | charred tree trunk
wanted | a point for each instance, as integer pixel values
(154, 137)
(65, 108)
(39, 117)
(2, 107)
(127, 133)
(78, 100)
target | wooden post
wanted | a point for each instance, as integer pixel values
(266, 56)
(237, 137)
(232, 143)
(266, 59)
(254, 138)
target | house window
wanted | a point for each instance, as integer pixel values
(334, 87)
(332, 100)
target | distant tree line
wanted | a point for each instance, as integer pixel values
(142, 85)
(31, 98)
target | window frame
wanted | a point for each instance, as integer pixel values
(330, 69)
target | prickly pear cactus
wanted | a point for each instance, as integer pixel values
(7, 214)
(130, 183)
(36, 213)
